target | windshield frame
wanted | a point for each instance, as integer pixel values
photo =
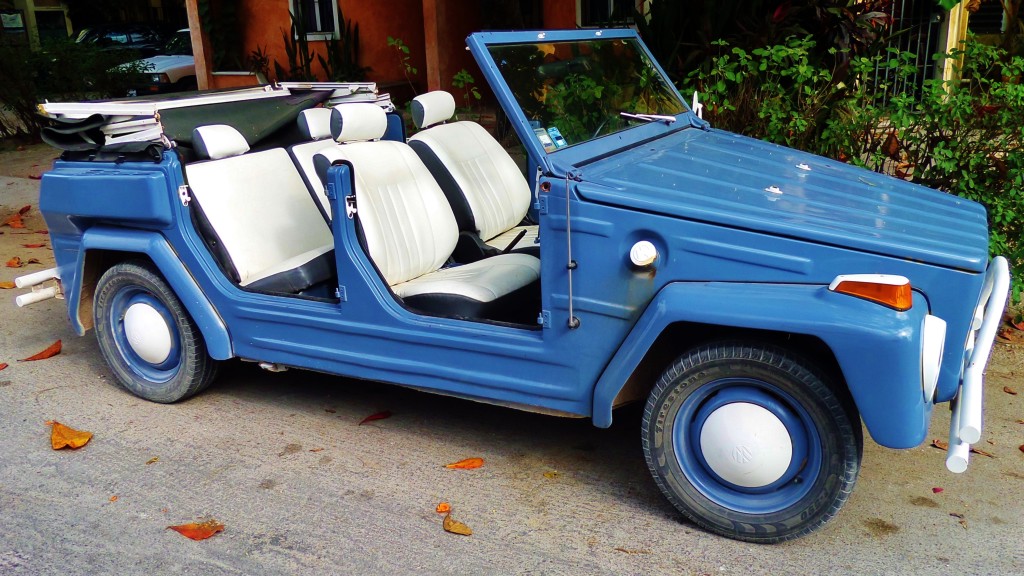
(564, 159)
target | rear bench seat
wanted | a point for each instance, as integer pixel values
(260, 213)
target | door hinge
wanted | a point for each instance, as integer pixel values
(341, 294)
(542, 205)
(544, 319)
(350, 206)
(183, 195)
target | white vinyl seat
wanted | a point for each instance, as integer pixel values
(257, 213)
(315, 126)
(483, 184)
(410, 232)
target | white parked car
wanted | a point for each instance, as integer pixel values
(173, 70)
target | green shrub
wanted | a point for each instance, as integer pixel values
(62, 70)
(964, 137)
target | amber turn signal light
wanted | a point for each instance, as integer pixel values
(884, 289)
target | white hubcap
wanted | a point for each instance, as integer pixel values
(147, 332)
(746, 445)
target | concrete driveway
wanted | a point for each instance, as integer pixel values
(303, 489)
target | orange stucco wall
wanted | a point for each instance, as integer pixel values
(434, 30)
(559, 14)
(263, 21)
(446, 24)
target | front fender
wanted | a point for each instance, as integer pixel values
(155, 246)
(878, 349)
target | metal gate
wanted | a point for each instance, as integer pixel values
(915, 28)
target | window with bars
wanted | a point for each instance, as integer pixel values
(319, 18)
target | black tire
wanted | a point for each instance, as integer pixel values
(184, 371)
(187, 84)
(715, 431)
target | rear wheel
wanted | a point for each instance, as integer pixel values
(147, 337)
(749, 442)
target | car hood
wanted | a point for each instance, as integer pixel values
(164, 64)
(735, 181)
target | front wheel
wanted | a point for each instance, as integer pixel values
(147, 337)
(749, 442)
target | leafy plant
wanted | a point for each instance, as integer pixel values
(296, 48)
(342, 62)
(464, 81)
(402, 50)
(259, 62)
(580, 104)
(61, 70)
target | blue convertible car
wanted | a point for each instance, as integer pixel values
(762, 302)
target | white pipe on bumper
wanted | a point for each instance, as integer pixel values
(36, 278)
(966, 422)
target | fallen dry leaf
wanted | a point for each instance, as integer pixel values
(378, 416)
(39, 245)
(551, 475)
(113, 498)
(1009, 390)
(62, 436)
(316, 449)
(981, 452)
(1020, 421)
(330, 410)
(940, 444)
(467, 464)
(35, 176)
(456, 527)
(50, 352)
(1008, 335)
(33, 261)
(152, 460)
(198, 530)
(14, 221)
(957, 515)
(444, 508)
(936, 490)
(632, 551)
(1021, 447)
(3, 365)
(14, 263)
(8, 285)
(24, 210)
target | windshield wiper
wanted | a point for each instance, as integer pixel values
(649, 117)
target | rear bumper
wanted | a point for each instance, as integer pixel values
(966, 422)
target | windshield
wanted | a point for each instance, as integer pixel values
(179, 45)
(572, 92)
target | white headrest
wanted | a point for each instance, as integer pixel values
(356, 122)
(218, 141)
(315, 123)
(432, 108)
(323, 159)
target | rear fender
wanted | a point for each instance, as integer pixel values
(99, 241)
(877, 349)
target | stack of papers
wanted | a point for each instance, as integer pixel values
(346, 92)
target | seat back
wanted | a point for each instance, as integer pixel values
(487, 192)
(259, 209)
(407, 224)
(315, 125)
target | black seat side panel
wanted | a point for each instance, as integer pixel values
(452, 191)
